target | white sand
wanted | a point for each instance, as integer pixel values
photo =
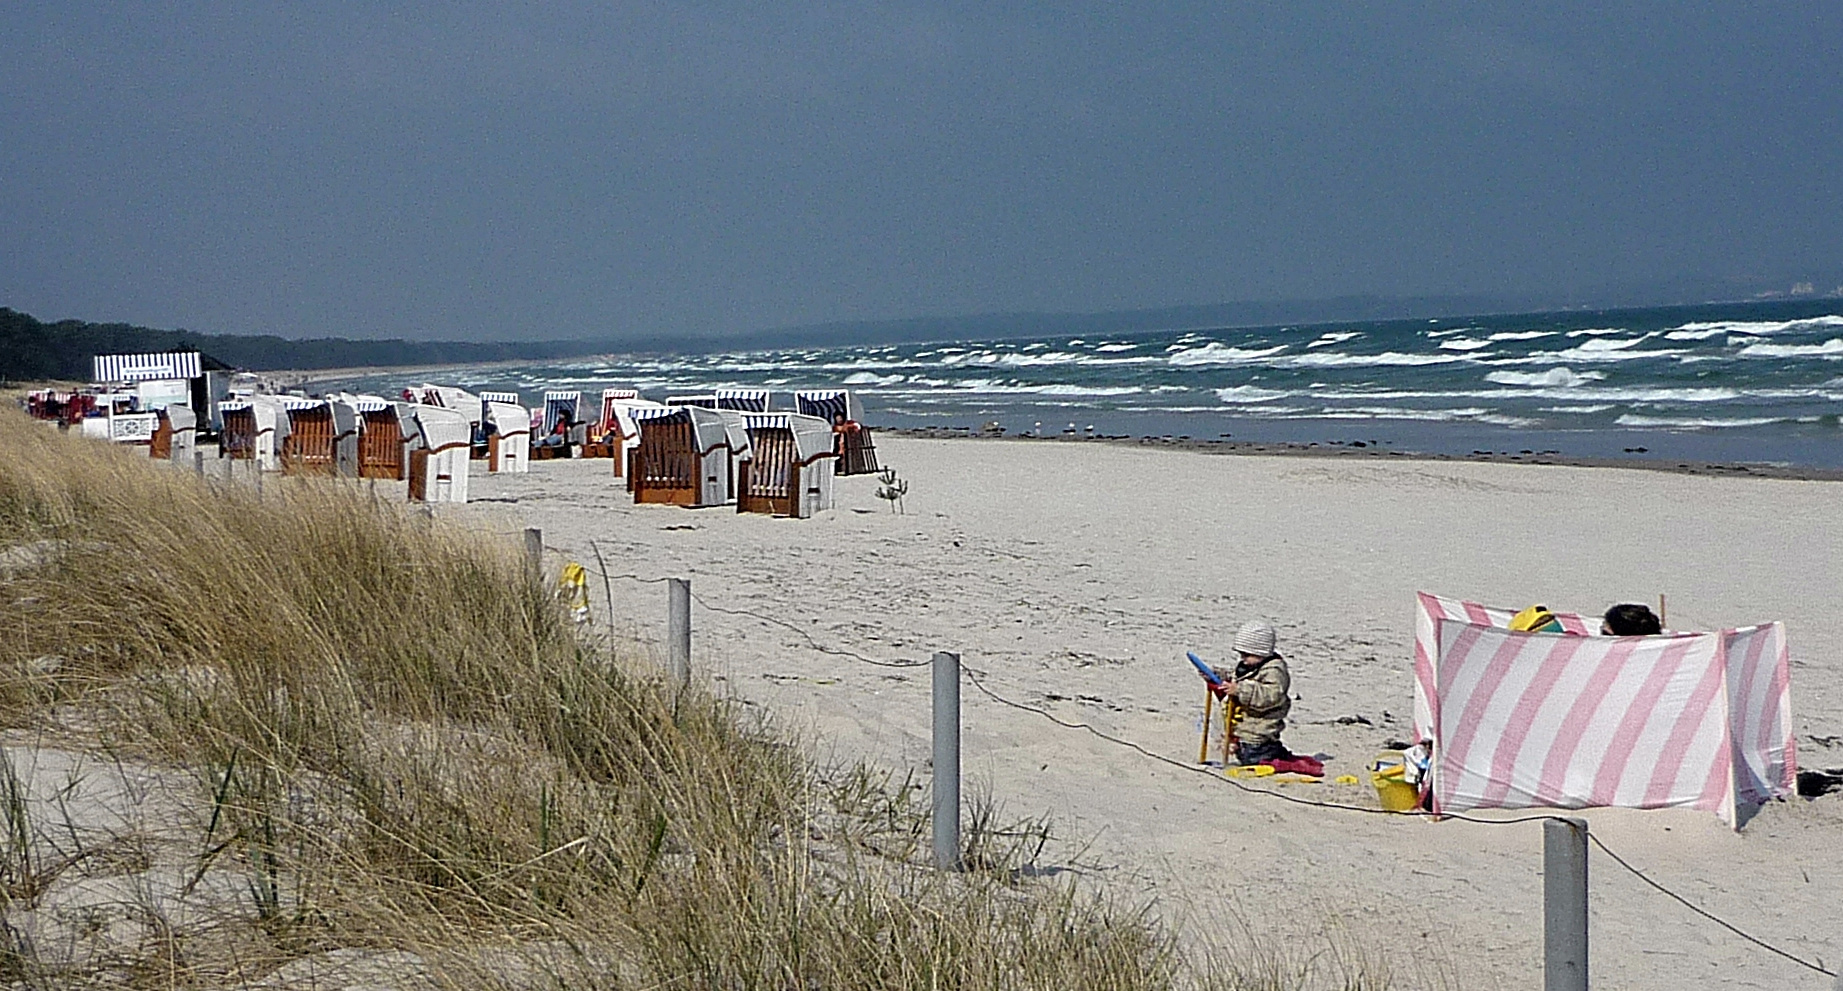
(1086, 570)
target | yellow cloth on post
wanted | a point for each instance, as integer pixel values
(573, 589)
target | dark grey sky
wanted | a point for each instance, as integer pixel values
(509, 170)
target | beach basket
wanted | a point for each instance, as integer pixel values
(1395, 794)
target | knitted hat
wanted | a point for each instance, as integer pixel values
(1255, 638)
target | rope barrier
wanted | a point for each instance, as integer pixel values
(976, 678)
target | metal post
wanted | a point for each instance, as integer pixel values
(947, 761)
(198, 463)
(534, 550)
(678, 638)
(1564, 905)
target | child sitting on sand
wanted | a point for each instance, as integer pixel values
(1262, 689)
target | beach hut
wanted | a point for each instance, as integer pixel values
(439, 456)
(1570, 720)
(743, 400)
(508, 437)
(857, 452)
(253, 429)
(176, 436)
(789, 472)
(323, 438)
(684, 457)
(169, 378)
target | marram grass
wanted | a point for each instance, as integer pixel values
(406, 764)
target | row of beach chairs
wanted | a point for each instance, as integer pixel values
(724, 448)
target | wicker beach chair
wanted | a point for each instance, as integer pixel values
(791, 467)
(508, 437)
(254, 429)
(439, 461)
(684, 457)
(857, 452)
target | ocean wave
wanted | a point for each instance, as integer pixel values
(1697, 422)
(1834, 346)
(1598, 331)
(1694, 335)
(1563, 377)
(1335, 338)
(1335, 359)
(1587, 354)
(1464, 344)
(1219, 354)
(1116, 347)
(872, 378)
(1251, 394)
(1582, 410)
(994, 387)
(1761, 328)
(1521, 335)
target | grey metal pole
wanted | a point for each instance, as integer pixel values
(947, 761)
(534, 550)
(678, 638)
(1564, 905)
(198, 463)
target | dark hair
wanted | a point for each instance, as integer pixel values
(1631, 619)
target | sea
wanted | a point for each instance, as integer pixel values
(1757, 383)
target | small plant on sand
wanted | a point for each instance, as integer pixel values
(892, 489)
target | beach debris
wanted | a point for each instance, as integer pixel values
(680, 526)
(892, 489)
(1353, 720)
(1832, 740)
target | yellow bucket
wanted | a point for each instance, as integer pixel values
(1395, 794)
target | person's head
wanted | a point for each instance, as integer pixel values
(1631, 619)
(1255, 641)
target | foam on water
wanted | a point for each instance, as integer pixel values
(1579, 375)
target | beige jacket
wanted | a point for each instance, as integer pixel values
(1263, 697)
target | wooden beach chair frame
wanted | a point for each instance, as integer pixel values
(790, 469)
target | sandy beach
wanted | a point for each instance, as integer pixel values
(1074, 576)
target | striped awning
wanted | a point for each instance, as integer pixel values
(657, 412)
(509, 398)
(744, 400)
(141, 367)
(620, 393)
(765, 421)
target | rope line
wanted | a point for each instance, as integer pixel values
(1686, 903)
(976, 678)
(816, 645)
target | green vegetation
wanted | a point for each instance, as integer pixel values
(32, 351)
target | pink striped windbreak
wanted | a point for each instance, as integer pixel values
(1570, 720)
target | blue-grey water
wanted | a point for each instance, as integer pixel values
(1760, 382)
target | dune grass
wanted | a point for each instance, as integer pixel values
(400, 760)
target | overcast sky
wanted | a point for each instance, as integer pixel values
(508, 170)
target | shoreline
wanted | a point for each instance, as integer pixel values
(1360, 451)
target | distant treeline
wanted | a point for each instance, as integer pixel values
(31, 349)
